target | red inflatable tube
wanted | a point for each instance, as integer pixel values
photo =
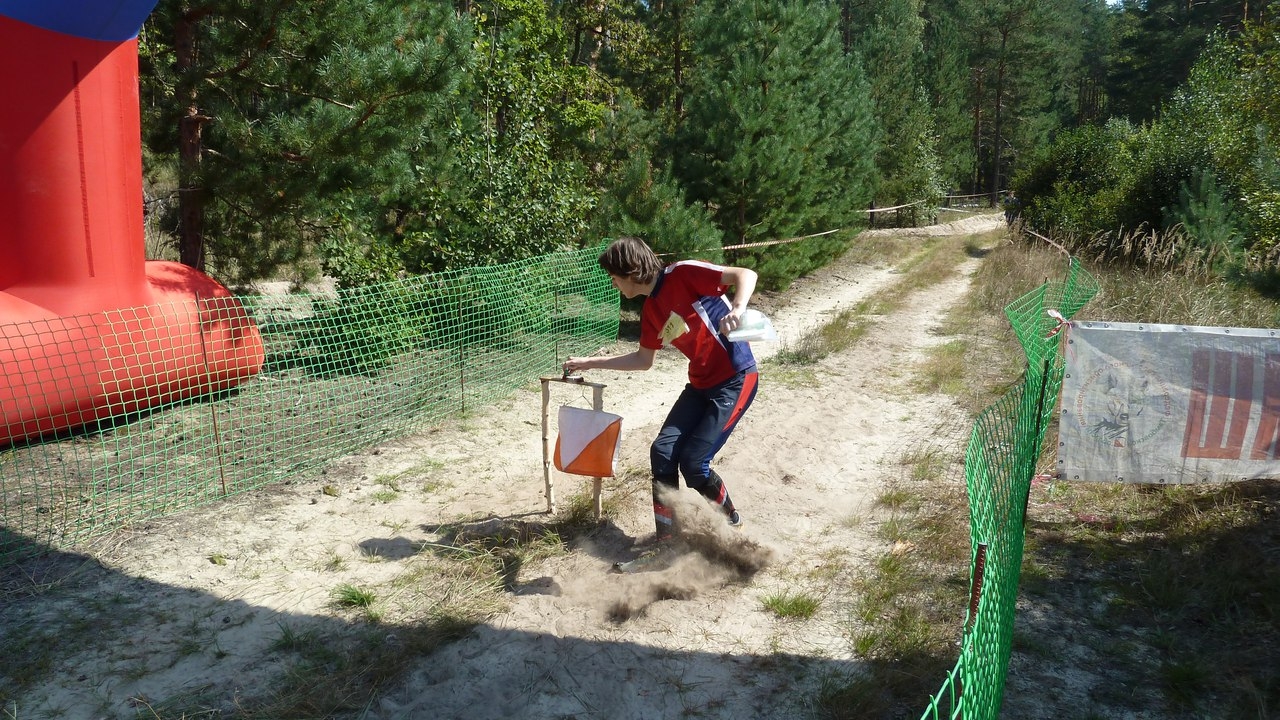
(88, 328)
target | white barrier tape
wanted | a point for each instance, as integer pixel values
(1062, 322)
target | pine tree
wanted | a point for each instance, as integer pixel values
(777, 140)
(946, 78)
(519, 187)
(1159, 41)
(1026, 60)
(888, 37)
(272, 112)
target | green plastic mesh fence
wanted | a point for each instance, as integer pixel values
(1000, 463)
(102, 427)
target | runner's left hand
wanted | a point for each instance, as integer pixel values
(730, 322)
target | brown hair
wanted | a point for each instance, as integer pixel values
(631, 257)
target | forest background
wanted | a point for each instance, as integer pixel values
(370, 140)
(366, 139)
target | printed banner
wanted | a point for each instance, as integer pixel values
(1169, 404)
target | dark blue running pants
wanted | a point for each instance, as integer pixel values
(696, 428)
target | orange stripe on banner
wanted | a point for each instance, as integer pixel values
(1267, 441)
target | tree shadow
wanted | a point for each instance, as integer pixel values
(84, 640)
(1174, 607)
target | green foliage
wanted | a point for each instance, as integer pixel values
(383, 139)
(1233, 103)
(1261, 202)
(1098, 179)
(778, 139)
(509, 183)
(1158, 45)
(1207, 216)
(674, 228)
(348, 256)
(1004, 76)
(919, 175)
(361, 331)
(1207, 164)
(655, 209)
(641, 198)
(304, 103)
(907, 163)
(1068, 186)
(946, 75)
(1158, 161)
(519, 203)
(520, 193)
(624, 41)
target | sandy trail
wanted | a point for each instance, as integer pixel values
(804, 466)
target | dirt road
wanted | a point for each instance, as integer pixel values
(203, 596)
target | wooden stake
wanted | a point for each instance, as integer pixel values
(597, 403)
(546, 445)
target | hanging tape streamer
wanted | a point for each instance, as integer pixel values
(1062, 322)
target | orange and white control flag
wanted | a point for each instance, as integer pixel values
(588, 442)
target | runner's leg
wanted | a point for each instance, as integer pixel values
(684, 416)
(728, 402)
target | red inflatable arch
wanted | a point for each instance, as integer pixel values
(89, 329)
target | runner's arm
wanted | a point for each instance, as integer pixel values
(743, 281)
(639, 359)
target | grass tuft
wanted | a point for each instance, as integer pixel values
(293, 640)
(350, 596)
(792, 605)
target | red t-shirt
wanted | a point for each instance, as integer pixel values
(684, 310)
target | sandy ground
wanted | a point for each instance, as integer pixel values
(575, 640)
